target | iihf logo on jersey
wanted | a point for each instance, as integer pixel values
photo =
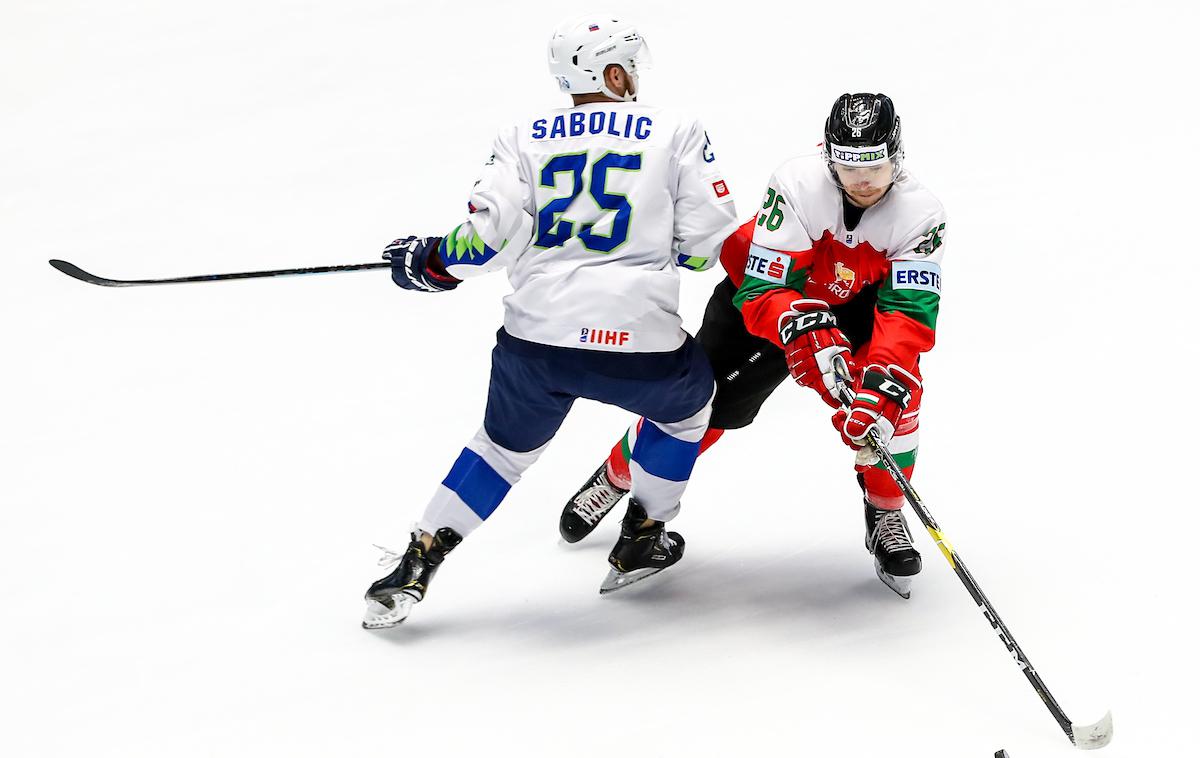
(593, 336)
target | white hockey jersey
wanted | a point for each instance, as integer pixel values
(593, 210)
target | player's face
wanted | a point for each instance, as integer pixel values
(865, 184)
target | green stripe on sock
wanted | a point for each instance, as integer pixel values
(903, 460)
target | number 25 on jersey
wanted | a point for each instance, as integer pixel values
(553, 230)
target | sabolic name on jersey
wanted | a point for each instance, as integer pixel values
(577, 124)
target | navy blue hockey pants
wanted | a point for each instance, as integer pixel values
(533, 387)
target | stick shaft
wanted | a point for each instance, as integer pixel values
(70, 269)
(955, 560)
(973, 588)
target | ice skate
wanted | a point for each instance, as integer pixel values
(591, 503)
(888, 539)
(390, 599)
(641, 551)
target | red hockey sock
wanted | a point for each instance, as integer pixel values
(618, 457)
(618, 466)
(882, 491)
(710, 438)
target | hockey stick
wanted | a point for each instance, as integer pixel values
(71, 270)
(1086, 736)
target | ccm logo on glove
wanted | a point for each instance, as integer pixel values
(804, 323)
(882, 384)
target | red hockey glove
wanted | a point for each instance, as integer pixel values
(811, 339)
(880, 396)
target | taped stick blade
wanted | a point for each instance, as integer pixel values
(1093, 736)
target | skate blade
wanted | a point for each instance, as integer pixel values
(1093, 736)
(619, 580)
(379, 616)
(901, 585)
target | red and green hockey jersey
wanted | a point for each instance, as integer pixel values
(798, 246)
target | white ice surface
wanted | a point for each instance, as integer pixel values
(191, 477)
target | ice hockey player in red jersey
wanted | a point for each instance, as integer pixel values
(842, 259)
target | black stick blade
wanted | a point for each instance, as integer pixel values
(73, 271)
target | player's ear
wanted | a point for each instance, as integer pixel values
(616, 79)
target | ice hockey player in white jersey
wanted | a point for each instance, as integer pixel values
(592, 210)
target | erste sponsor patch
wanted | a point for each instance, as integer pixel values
(917, 275)
(768, 265)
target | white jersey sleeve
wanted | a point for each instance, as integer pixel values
(782, 222)
(499, 224)
(914, 281)
(923, 242)
(704, 210)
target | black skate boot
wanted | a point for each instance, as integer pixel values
(591, 503)
(391, 598)
(641, 551)
(888, 539)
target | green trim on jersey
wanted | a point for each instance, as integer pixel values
(753, 287)
(463, 247)
(919, 305)
(903, 460)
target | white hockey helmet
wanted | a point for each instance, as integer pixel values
(582, 48)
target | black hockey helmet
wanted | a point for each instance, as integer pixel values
(863, 130)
